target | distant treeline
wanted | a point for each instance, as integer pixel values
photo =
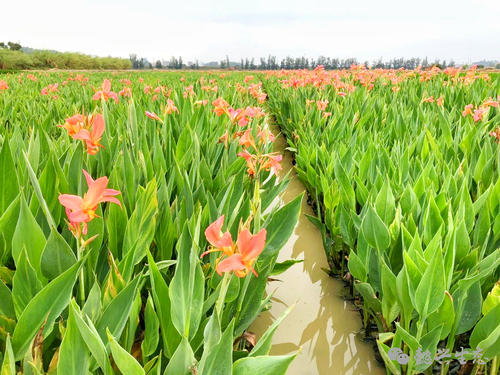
(272, 63)
(12, 57)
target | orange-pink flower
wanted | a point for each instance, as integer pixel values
(248, 248)
(240, 256)
(152, 116)
(3, 85)
(170, 108)
(220, 241)
(105, 92)
(92, 134)
(496, 134)
(126, 92)
(479, 113)
(490, 103)
(74, 124)
(250, 159)
(82, 210)
(272, 163)
(247, 139)
(429, 99)
(321, 104)
(265, 135)
(467, 110)
(220, 106)
(440, 101)
(50, 88)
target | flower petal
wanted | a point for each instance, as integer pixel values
(232, 263)
(73, 202)
(250, 246)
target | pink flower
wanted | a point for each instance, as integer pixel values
(152, 116)
(82, 210)
(105, 92)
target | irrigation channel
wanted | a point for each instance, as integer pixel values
(322, 326)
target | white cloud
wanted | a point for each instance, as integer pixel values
(209, 30)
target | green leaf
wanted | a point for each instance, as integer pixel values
(375, 231)
(91, 339)
(357, 267)
(25, 284)
(6, 304)
(8, 223)
(220, 358)
(73, 353)
(151, 332)
(124, 361)
(187, 288)
(140, 227)
(46, 306)
(281, 267)
(385, 204)
(159, 290)
(9, 362)
(430, 291)
(263, 346)
(182, 361)
(263, 365)
(390, 306)
(57, 256)
(115, 316)
(486, 333)
(29, 235)
(281, 226)
(9, 188)
(491, 300)
(38, 192)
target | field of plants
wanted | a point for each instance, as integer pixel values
(402, 169)
(139, 223)
(136, 227)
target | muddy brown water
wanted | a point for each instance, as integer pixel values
(322, 326)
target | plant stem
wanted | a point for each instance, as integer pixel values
(222, 294)
(79, 251)
(256, 204)
(494, 366)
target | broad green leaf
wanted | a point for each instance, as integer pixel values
(9, 188)
(91, 339)
(124, 361)
(159, 290)
(220, 358)
(73, 353)
(9, 362)
(187, 288)
(29, 235)
(375, 231)
(115, 316)
(57, 256)
(182, 361)
(263, 365)
(430, 291)
(151, 332)
(45, 307)
(263, 346)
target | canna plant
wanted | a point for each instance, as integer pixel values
(406, 190)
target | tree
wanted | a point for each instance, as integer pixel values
(158, 64)
(14, 46)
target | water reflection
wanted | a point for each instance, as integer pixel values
(322, 325)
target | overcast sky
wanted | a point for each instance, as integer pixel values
(209, 30)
